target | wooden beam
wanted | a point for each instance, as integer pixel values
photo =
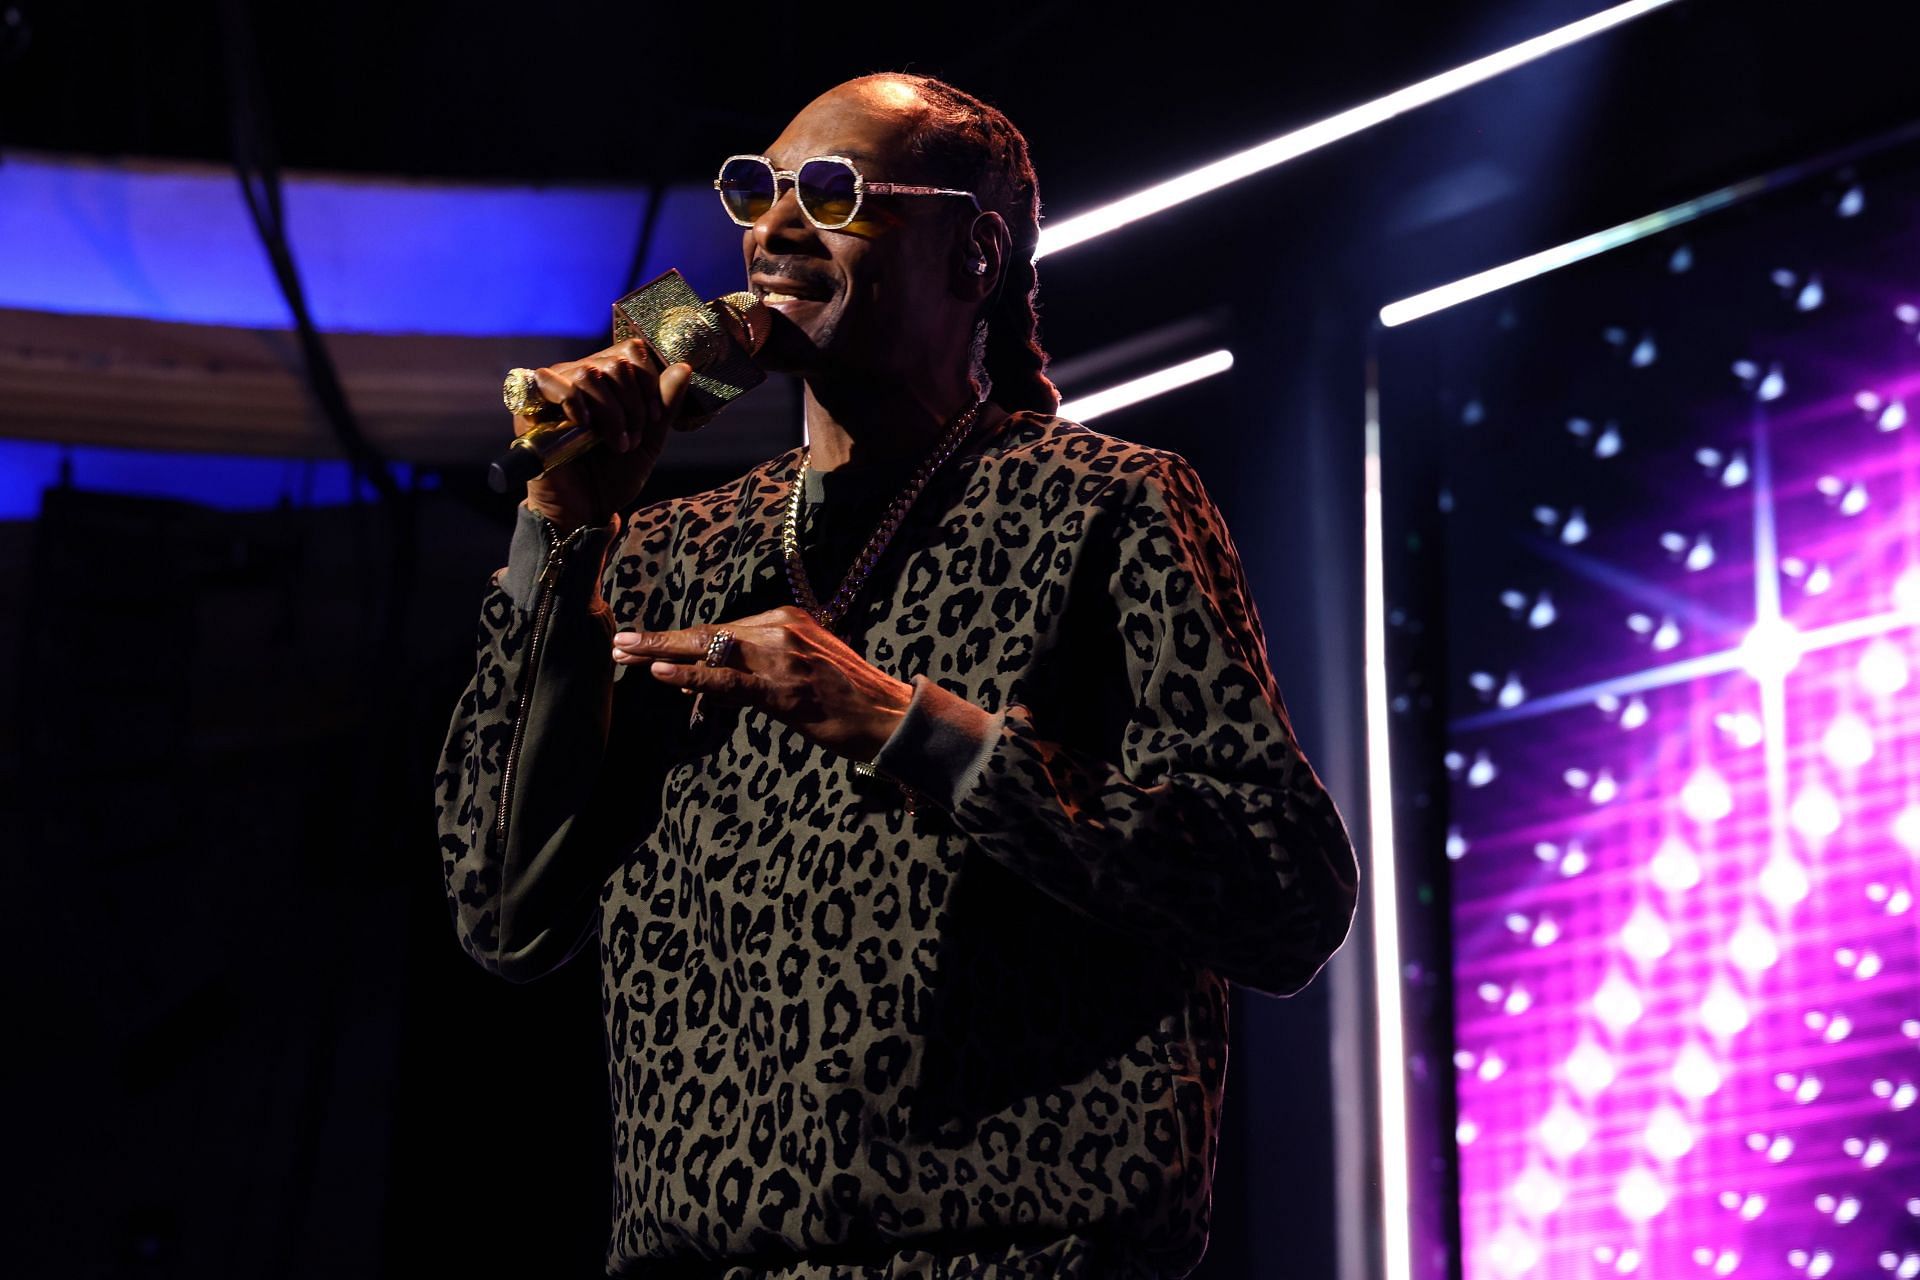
(423, 398)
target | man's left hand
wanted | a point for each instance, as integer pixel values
(790, 667)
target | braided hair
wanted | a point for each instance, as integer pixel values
(965, 143)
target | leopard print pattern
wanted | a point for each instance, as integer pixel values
(840, 1032)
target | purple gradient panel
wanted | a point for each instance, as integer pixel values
(1686, 846)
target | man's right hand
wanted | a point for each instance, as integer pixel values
(625, 398)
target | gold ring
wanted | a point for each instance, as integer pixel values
(521, 394)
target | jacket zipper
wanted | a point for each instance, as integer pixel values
(542, 609)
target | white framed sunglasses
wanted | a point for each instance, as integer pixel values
(830, 189)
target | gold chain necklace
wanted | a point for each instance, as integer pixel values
(829, 614)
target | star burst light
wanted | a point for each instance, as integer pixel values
(1617, 1004)
(1675, 867)
(1771, 649)
(1668, 1136)
(1695, 1074)
(1724, 1012)
(1706, 797)
(1564, 1130)
(1744, 801)
(1753, 947)
(1713, 1041)
(1640, 1195)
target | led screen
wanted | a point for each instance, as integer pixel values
(1666, 635)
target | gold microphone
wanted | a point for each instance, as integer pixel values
(719, 339)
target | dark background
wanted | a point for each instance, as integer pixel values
(249, 1045)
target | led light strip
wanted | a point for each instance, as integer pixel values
(1493, 279)
(1390, 1050)
(1538, 264)
(1164, 195)
(1083, 408)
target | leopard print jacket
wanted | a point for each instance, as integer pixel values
(982, 1035)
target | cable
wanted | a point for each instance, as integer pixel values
(16, 33)
(259, 175)
(643, 244)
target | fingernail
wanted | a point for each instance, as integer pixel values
(627, 637)
(663, 668)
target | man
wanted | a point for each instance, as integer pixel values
(916, 904)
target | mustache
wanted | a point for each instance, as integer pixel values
(798, 270)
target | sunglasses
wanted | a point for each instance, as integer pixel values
(830, 189)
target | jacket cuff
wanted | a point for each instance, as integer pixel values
(940, 746)
(534, 540)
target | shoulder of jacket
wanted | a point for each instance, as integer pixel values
(1050, 438)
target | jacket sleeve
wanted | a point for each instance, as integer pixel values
(522, 842)
(1209, 837)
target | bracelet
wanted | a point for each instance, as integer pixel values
(868, 770)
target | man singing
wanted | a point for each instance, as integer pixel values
(923, 788)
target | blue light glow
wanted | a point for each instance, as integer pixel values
(30, 467)
(375, 257)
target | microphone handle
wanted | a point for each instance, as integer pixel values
(536, 453)
(718, 339)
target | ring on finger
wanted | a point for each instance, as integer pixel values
(720, 648)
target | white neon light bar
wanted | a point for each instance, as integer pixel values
(1538, 264)
(1164, 195)
(1147, 386)
(1390, 1061)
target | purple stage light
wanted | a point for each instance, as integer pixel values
(1683, 759)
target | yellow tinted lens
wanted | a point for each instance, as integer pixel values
(746, 188)
(828, 192)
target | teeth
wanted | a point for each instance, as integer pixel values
(771, 296)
